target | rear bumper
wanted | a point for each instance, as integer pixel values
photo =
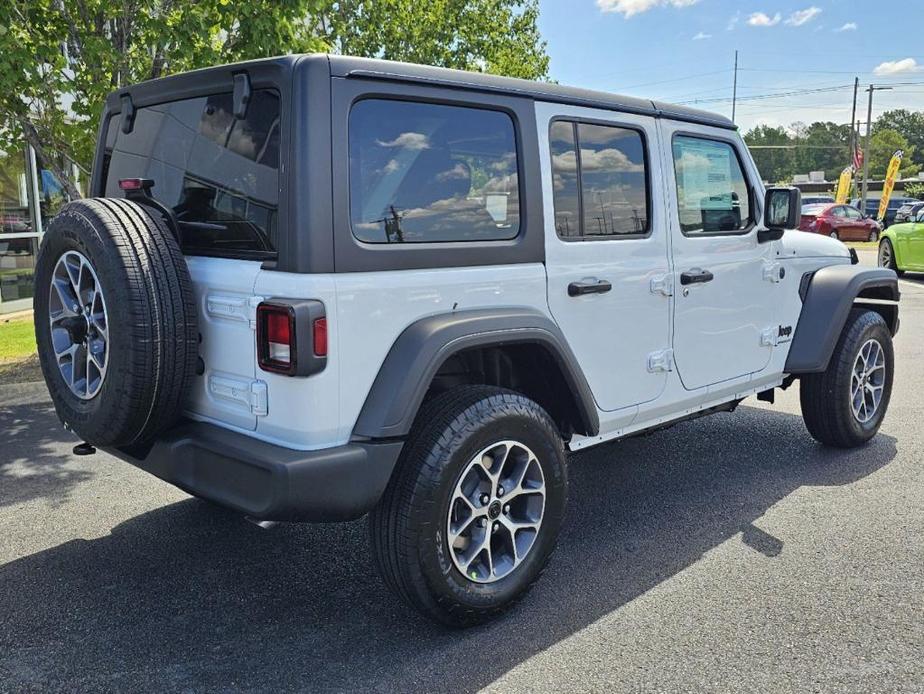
(265, 481)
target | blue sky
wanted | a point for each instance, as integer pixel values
(683, 50)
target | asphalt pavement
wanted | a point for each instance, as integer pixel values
(730, 553)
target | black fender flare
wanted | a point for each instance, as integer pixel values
(417, 354)
(828, 294)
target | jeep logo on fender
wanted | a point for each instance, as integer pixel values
(785, 333)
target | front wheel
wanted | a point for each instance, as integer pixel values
(472, 513)
(844, 405)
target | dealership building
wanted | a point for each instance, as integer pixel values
(30, 195)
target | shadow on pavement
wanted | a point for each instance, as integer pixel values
(189, 596)
(34, 451)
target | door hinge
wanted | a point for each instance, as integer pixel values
(662, 360)
(769, 336)
(774, 272)
(662, 284)
(251, 394)
(237, 308)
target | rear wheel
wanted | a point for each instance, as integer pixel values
(472, 513)
(834, 235)
(887, 257)
(844, 405)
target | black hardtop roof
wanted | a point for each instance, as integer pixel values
(373, 68)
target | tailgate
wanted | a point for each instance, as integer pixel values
(227, 390)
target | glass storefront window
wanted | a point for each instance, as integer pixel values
(14, 194)
(19, 238)
(17, 267)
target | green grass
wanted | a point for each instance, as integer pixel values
(17, 339)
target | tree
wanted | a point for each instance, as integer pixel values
(910, 124)
(496, 36)
(60, 58)
(824, 146)
(774, 164)
(883, 145)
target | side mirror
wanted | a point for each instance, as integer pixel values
(782, 210)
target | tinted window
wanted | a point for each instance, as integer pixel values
(220, 174)
(712, 192)
(432, 173)
(839, 211)
(565, 190)
(852, 213)
(599, 179)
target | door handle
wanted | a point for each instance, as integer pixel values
(589, 287)
(696, 275)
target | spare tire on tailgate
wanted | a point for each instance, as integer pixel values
(115, 321)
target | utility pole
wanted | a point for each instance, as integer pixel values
(735, 87)
(853, 118)
(866, 152)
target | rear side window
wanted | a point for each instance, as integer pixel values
(712, 192)
(599, 181)
(425, 173)
(220, 174)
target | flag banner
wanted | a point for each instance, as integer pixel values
(857, 158)
(843, 185)
(891, 174)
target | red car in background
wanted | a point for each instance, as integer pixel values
(842, 222)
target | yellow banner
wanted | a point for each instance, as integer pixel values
(891, 173)
(843, 185)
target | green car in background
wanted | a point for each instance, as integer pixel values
(901, 246)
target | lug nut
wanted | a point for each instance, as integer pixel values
(485, 499)
(496, 526)
(507, 510)
(500, 491)
(482, 523)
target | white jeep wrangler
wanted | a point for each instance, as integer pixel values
(315, 287)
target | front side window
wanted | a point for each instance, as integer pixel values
(599, 180)
(429, 173)
(852, 213)
(712, 192)
(219, 173)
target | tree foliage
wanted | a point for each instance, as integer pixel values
(883, 144)
(60, 58)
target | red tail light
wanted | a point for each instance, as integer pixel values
(319, 333)
(291, 336)
(275, 338)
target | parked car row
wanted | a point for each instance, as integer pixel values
(872, 208)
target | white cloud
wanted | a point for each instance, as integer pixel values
(760, 19)
(411, 140)
(849, 26)
(733, 21)
(896, 67)
(702, 36)
(631, 7)
(800, 17)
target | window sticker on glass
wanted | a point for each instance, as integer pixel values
(712, 193)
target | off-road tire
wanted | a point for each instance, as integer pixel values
(826, 396)
(152, 325)
(407, 527)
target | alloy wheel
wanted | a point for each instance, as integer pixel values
(867, 381)
(496, 511)
(79, 325)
